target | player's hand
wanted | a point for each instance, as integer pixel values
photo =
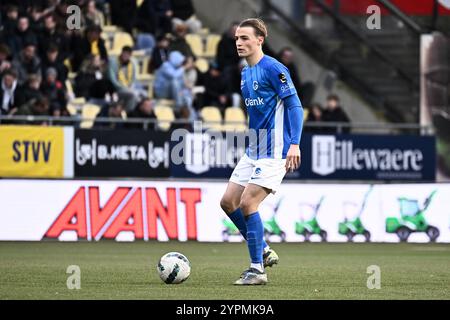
(293, 158)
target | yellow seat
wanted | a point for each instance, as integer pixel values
(165, 116)
(235, 119)
(305, 114)
(121, 39)
(196, 43)
(89, 113)
(212, 118)
(212, 41)
(202, 65)
(75, 105)
(143, 61)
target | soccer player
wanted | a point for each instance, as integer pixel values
(276, 118)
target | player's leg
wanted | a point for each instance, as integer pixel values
(230, 205)
(232, 196)
(251, 198)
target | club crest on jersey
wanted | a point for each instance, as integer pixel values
(255, 85)
(282, 78)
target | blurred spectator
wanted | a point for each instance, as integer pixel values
(9, 22)
(91, 43)
(232, 79)
(114, 111)
(184, 114)
(30, 91)
(52, 59)
(159, 53)
(143, 110)
(92, 82)
(5, 53)
(305, 90)
(122, 73)
(146, 17)
(123, 13)
(8, 92)
(50, 35)
(183, 12)
(92, 16)
(170, 83)
(35, 107)
(179, 42)
(54, 91)
(227, 55)
(314, 116)
(36, 23)
(27, 63)
(163, 12)
(335, 113)
(21, 36)
(215, 88)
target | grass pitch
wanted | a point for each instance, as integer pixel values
(111, 270)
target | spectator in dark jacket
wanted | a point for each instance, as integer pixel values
(31, 90)
(51, 35)
(146, 18)
(5, 54)
(123, 13)
(184, 12)
(115, 111)
(335, 113)
(143, 110)
(92, 82)
(305, 89)
(8, 92)
(27, 63)
(160, 53)
(21, 36)
(54, 91)
(215, 88)
(163, 12)
(9, 22)
(226, 50)
(52, 59)
(314, 116)
(35, 107)
(179, 42)
(90, 43)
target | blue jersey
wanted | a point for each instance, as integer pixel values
(264, 86)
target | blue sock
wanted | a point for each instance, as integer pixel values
(255, 235)
(238, 219)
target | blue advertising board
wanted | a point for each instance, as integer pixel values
(324, 157)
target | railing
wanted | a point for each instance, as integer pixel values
(374, 49)
(316, 50)
(410, 23)
(337, 127)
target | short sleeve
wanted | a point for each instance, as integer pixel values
(280, 79)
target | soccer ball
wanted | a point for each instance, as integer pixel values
(173, 267)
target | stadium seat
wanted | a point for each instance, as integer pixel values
(235, 119)
(143, 61)
(196, 43)
(120, 40)
(165, 116)
(76, 105)
(88, 113)
(202, 64)
(212, 42)
(212, 118)
(69, 89)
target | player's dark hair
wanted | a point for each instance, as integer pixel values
(257, 24)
